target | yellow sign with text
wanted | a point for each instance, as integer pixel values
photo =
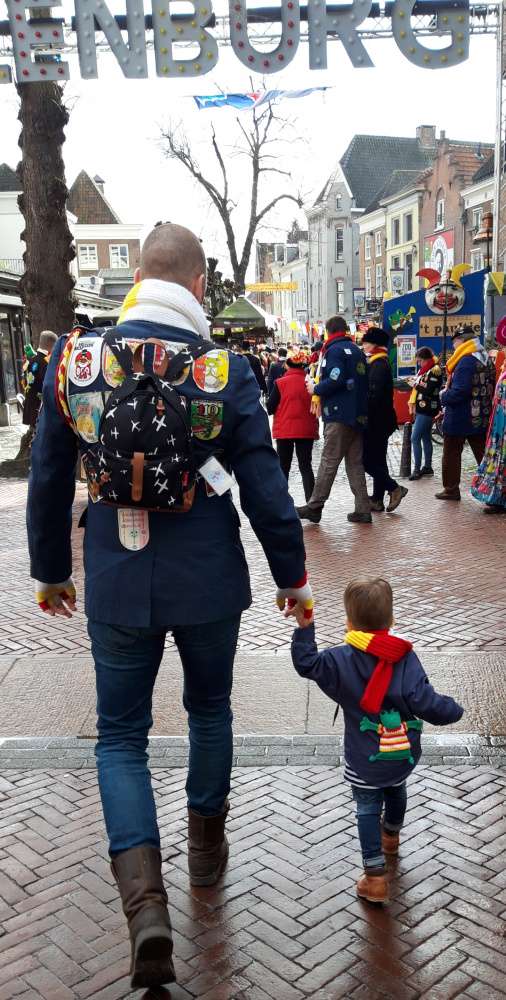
(274, 286)
(432, 326)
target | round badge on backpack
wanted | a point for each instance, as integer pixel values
(210, 372)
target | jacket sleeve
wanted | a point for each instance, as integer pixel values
(379, 386)
(273, 400)
(423, 701)
(315, 666)
(51, 486)
(461, 384)
(263, 488)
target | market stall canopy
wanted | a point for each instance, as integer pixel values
(243, 316)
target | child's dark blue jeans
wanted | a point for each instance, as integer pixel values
(369, 808)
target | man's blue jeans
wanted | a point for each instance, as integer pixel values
(421, 435)
(126, 666)
(369, 807)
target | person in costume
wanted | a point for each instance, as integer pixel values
(294, 426)
(150, 571)
(467, 405)
(383, 690)
(34, 373)
(381, 421)
(339, 394)
(424, 405)
(489, 483)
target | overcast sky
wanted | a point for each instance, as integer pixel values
(115, 125)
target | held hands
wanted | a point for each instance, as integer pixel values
(316, 406)
(310, 384)
(56, 598)
(297, 602)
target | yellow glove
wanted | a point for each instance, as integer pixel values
(56, 598)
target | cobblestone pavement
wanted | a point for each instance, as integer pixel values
(284, 923)
(445, 562)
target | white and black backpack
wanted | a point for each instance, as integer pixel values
(144, 456)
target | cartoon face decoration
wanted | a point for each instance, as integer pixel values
(83, 365)
(453, 294)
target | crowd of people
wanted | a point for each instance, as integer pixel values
(162, 419)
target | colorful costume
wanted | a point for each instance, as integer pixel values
(489, 483)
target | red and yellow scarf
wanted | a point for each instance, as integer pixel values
(389, 649)
(380, 352)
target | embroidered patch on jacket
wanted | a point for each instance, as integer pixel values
(84, 366)
(86, 409)
(133, 527)
(210, 372)
(206, 418)
(335, 373)
(111, 368)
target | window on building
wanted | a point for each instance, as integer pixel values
(477, 260)
(118, 254)
(367, 247)
(440, 210)
(396, 232)
(379, 281)
(338, 202)
(339, 243)
(477, 217)
(377, 242)
(340, 296)
(408, 267)
(368, 283)
(396, 263)
(408, 227)
(87, 256)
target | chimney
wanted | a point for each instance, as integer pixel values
(426, 135)
(99, 182)
(442, 134)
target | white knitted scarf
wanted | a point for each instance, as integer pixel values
(164, 302)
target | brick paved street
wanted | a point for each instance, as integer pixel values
(445, 562)
(284, 923)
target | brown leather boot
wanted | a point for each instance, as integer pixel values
(207, 846)
(138, 873)
(374, 888)
(389, 842)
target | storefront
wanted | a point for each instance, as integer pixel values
(11, 351)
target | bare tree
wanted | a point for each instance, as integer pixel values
(258, 143)
(46, 286)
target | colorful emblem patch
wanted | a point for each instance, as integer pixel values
(111, 369)
(210, 372)
(86, 409)
(133, 528)
(84, 364)
(206, 418)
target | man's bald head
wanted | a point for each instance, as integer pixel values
(173, 253)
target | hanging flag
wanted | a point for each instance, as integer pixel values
(251, 100)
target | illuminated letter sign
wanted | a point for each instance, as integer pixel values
(43, 34)
(131, 57)
(188, 28)
(265, 62)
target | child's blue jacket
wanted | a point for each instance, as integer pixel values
(342, 673)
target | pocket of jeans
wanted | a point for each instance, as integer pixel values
(112, 637)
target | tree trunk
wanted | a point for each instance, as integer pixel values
(46, 286)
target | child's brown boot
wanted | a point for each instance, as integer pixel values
(374, 888)
(389, 841)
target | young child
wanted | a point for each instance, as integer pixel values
(384, 692)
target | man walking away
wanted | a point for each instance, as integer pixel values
(150, 570)
(277, 369)
(381, 421)
(255, 365)
(467, 404)
(341, 399)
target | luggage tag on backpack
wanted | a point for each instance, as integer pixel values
(216, 476)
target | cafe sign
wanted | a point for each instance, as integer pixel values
(39, 42)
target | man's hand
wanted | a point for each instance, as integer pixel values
(316, 406)
(310, 384)
(297, 602)
(56, 598)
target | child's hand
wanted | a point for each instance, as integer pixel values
(297, 611)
